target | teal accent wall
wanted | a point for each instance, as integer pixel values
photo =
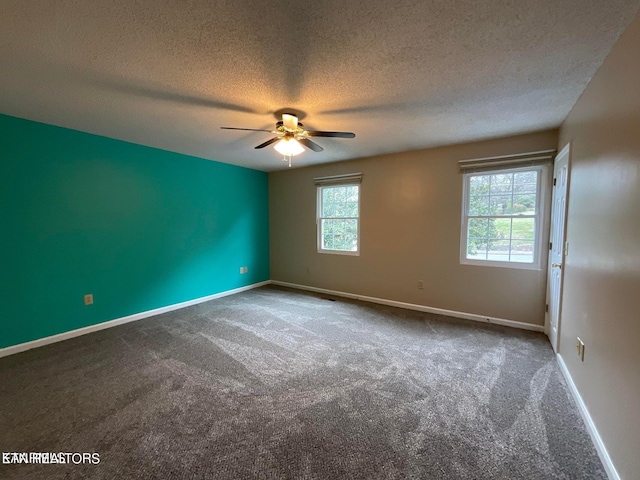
(139, 228)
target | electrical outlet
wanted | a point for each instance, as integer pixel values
(88, 299)
(244, 270)
(420, 284)
(580, 348)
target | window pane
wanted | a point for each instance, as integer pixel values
(499, 247)
(337, 234)
(478, 228)
(525, 204)
(501, 183)
(328, 209)
(345, 235)
(525, 177)
(501, 189)
(500, 205)
(350, 241)
(478, 231)
(338, 231)
(327, 195)
(479, 185)
(522, 251)
(327, 226)
(479, 205)
(327, 241)
(339, 202)
(340, 210)
(499, 250)
(346, 209)
(327, 233)
(525, 188)
(500, 228)
(523, 228)
(477, 248)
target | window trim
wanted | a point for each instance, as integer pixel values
(540, 218)
(319, 189)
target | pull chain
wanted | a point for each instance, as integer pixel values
(287, 158)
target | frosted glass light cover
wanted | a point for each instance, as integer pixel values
(289, 147)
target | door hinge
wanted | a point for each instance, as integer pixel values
(554, 182)
(546, 308)
(550, 246)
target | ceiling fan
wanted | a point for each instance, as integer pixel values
(291, 136)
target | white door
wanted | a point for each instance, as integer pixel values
(557, 246)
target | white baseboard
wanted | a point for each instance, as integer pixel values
(420, 308)
(591, 427)
(21, 347)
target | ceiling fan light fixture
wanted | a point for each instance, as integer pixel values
(291, 137)
(289, 147)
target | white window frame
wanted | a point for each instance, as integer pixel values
(540, 218)
(319, 218)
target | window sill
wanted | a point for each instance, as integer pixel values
(490, 263)
(340, 252)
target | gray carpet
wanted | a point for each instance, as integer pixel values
(276, 383)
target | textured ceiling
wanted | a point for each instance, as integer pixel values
(402, 75)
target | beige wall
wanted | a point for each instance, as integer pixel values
(410, 231)
(602, 276)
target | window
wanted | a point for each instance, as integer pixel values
(339, 219)
(502, 217)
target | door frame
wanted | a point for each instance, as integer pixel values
(566, 150)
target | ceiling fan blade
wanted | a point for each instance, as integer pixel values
(249, 129)
(316, 133)
(268, 142)
(290, 122)
(311, 145)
